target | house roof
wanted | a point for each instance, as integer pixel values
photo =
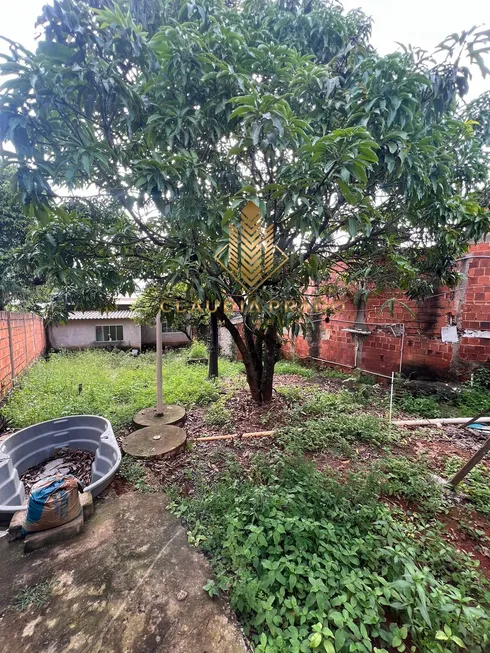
(97, 315)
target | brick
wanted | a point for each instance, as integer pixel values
(36, 541)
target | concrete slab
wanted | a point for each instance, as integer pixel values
(130, 583)
(172, 414)
(155, 442)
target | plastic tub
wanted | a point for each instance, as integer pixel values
(30, 446)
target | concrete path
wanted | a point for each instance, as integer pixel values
(129, 584)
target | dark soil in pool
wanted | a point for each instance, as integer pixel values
(77, 462)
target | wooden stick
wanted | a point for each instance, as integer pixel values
(466, 469)
(255, 434)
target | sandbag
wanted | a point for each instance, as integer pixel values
(53, 501)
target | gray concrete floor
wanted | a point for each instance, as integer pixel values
(129, 584)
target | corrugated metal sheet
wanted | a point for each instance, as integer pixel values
(97, 315)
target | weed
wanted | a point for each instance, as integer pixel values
(115, 385)
(310, 562)
(291, 367)
(332, 373)
(217, 414)
(37, 595)
(321, 404)
(134, 472)
(412, 481)
(420, 406)
(290, 393)
(476, 485)
(198, 350)
(340, 431)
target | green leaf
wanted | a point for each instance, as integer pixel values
(328, 646)
(315, 640)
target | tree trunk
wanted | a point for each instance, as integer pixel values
(213, 347)
(258, 352)
(270, 347)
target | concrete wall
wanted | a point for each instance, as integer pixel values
(177, 339)
(79, 334)
(22, 341)
(445, 336)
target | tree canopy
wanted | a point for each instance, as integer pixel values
(184, 111)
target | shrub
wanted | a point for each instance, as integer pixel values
(311, 563)
(198, 350)
(420, 406)
(412, 481)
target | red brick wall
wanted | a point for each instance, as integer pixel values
(22, 341)
(420, 350)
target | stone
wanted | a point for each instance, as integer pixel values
(142, 443)
(172, 415)
(182, 595)
(35, 541)
(15, 527)
(87, 503)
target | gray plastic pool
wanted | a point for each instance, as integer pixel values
(30, 446)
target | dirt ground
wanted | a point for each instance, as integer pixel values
(129, 584)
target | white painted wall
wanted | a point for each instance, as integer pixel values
(77, 334)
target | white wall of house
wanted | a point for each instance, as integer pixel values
(81, 333)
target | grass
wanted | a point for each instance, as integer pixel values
(291, 367)
(37, 596)
(198, 350)
(114, 385)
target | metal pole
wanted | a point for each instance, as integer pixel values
(391, 396)
(159, 363)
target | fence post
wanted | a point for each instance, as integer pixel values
(11, 348)
(391, 396)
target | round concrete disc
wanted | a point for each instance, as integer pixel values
(174, 415)
(142, 443)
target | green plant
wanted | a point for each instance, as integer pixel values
(420, 406)
(291, 393)
(412, 481)
(341, 431)
(37, 595)
(217, 414)
(476, 485)
(292, 367)
(313, 563)
(134, 472)
(333, 373)
(321, 404)
(114, 385)
(198, 350)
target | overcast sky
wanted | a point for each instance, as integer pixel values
(419, 22)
